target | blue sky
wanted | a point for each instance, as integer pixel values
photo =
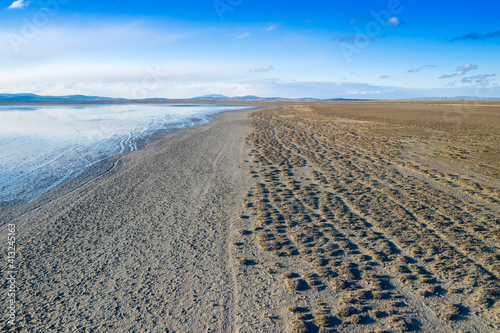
(178, 49)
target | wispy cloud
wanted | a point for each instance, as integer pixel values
(484, 79)
(19, 4)
(447, 76)
(335, 89)
(384, 76)
(477, 36)
(352, 38)
(60, 42)
(461, 70)
(244, 35)
(414, 70)
(318, 89)
(272, 27)
(262, 69)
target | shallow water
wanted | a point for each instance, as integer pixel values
(45, 145)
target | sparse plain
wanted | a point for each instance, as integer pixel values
(297, 217)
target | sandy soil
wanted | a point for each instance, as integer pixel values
(379, 217)
(144, 248)
(308, 217)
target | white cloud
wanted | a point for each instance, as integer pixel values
(394, 21)
(60, 42)
(19, 4)
(461, 70)
(353, 39)
(316, 89)
(365, 92)
(171, 79)
(465, 68)
(484, 80)
(414, 70)
(262, 69)
(184, 80)
(272, 27)
(244, 35)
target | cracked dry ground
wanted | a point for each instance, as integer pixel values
(362, 232)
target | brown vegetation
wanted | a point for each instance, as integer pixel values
(393, 208)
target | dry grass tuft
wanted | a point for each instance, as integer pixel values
(298, 326)
(243, 261)
(286, 275)
(301, 316)
(482, 300)
(356, 319)
(292, 284)
(369, 220)
(398, 323)
(345, 311)
(339, 284)
(375, 314)
(450, 312)
(361, 294)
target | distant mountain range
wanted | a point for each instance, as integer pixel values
(81, 98)
(33, 98)
(38, 98)
(457, 98)
(216, 97)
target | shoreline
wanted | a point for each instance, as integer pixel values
(13, 210)
(134, 228)
(301, 218)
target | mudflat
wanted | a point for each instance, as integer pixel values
(299, 217)
(144, 248)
